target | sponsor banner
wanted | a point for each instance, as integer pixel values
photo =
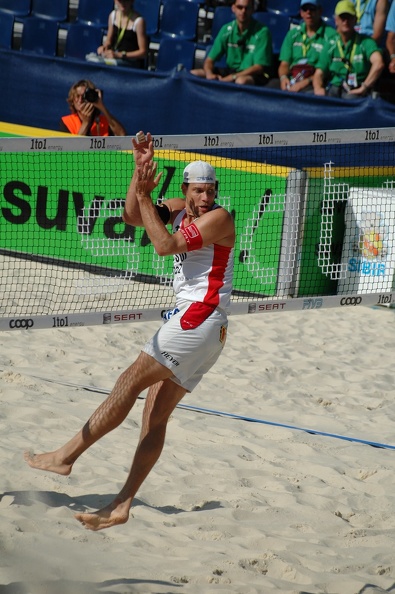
(368, 253)
(45, 140)
(50, 209)
(331, 259)
(158, 314)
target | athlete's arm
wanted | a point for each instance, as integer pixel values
(215, 226)
(143, 152)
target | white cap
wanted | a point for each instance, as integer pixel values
(199, 172)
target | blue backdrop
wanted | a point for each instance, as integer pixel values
(34, 90)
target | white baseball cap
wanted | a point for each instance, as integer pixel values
(199, 172)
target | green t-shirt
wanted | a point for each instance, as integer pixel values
(298, 48)
(339, 61)
(243, 50)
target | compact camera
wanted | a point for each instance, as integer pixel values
(91, 95)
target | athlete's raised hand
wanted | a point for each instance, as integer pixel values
(143, 149)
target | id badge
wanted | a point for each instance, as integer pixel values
(352, 80)
(302, 61)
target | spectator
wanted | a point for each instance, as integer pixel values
(351, 63)
(247, 46)
(371, 16)
(390, 42)
(126, 43)
(89, 116)
(301, 49)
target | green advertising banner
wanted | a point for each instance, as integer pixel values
(67, 208)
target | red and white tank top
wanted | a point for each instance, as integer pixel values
(203, 275)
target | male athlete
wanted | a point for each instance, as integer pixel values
(185, 348)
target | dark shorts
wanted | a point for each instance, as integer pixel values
(259, 79)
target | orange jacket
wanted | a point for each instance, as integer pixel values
(73, 124)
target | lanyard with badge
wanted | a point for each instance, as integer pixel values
(360, 10)
(351, 76)
(306, 44)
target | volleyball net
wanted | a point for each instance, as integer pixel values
(314, 215)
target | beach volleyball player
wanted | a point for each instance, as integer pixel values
(187, 345)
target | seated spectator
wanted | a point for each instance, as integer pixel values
(247, 46)
(390, 42)
(371, 16)
(301, 49)
(126, 43)
(89, 116)
(350, 63)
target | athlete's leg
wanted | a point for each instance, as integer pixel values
(160, 403)
(145, 372)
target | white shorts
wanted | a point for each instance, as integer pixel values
(190, 353)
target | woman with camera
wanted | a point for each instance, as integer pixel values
(89, 116)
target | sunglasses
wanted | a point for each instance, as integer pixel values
(310, 7)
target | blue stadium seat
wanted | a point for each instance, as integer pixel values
(94, 12)
(40, 36)
(56, 10)
(222, 15)
(179, 20)
(150, 10)
(173, 52)
(6, 30)
(19, 8)
(290, 8)
(82, 40)
(330, 21)
(328, 8)
(278, 24)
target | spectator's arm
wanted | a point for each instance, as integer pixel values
(380, 18)
(142, 42)
(283, 75)
(319, 82)
(376, 68)
(390, 45)
(113, 123)
(107, 45)
(208, 68)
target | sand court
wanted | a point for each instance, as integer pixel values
(232, 506)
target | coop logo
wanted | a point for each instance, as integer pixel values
(351, 301)
(21, 323)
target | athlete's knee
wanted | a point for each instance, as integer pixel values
(135, 377)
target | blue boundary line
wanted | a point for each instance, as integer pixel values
(219, 413)
(209, 411)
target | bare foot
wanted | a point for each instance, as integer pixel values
(111, 515)
(48, 462)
